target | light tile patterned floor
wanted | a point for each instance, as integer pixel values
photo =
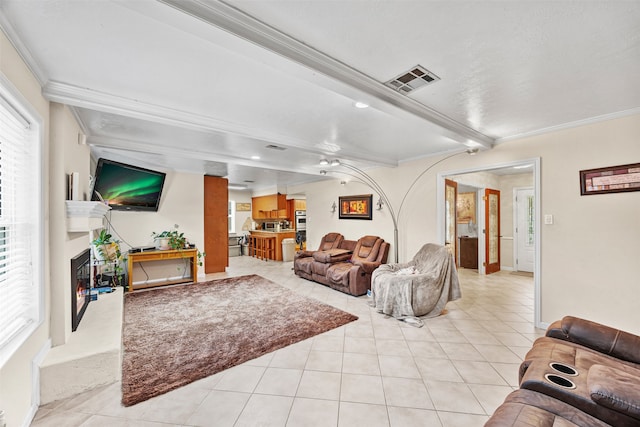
(376, 371)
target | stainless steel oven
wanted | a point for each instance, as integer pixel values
(301, 220)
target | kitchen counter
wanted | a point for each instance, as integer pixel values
(287, 233)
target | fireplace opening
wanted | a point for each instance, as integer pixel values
(80, 286)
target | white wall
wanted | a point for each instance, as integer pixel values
(182, 203)
(588, 256)
(18, 395)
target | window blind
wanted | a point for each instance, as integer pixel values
(19, 222)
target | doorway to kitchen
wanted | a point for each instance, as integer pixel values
(532, 165)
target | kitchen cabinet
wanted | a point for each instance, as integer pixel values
(267, 207)
(300, 205)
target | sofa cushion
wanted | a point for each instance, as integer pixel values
(615, 389)
(304, 264)
(367, 248)
(339, 273)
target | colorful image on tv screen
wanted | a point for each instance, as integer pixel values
(123, 186)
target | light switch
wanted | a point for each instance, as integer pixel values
(548, 219)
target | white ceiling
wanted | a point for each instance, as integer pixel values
(201, 86)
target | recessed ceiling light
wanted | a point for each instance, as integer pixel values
(335, 162)
(324, 162)
(361, 105)
(255, 157)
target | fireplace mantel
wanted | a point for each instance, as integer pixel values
(83, 216)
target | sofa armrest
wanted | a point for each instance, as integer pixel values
(367, 266)
(304, 254)
(615, 389)
(602, 338)
(331, 256)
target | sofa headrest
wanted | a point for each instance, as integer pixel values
(367, 248)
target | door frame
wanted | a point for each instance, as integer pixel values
(536, 187)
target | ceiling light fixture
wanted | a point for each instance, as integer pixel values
(361, 105)
(324, 162)
(236, 187)
(335, 162)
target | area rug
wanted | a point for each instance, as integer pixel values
(174, 336)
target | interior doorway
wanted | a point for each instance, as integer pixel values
(532, 165)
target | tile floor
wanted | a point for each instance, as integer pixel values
(376, 371)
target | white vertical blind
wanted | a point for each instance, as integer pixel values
(19, 225)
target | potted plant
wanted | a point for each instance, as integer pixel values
(171, 239)
(107, 252)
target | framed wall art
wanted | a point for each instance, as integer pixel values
(466, 208)
(612, 179)
(243, 207)
(355, 207)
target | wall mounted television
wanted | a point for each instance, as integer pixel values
(126, 187)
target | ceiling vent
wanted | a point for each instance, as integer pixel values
(275, 147)
(413, 79)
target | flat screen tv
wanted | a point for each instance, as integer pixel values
(127, 187)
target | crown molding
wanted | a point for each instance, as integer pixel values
(22, 49)
(238, 23)
(570, 125)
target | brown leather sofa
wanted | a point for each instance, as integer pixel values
(593, 368)
(345, 266)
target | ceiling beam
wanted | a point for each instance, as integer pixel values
(238, 23)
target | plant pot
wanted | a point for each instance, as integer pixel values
(162, 243)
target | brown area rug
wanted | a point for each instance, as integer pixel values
(174, 336)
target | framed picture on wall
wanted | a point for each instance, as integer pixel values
(466, 208)
(355, 207)
(243, 207)
(612, 179)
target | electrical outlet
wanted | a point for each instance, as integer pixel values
(548, 219)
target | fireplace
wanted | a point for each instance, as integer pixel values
(80, 286)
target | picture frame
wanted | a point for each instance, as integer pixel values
(243, 207)
(612, 179)
(355, 207)
(466, 208)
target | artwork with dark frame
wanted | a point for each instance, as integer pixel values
(612, 179)
(355, 207)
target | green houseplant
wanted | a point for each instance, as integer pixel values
(173, 239)
(109, 255)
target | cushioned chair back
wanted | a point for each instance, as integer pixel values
(426, 252)
(367, 249)
(330, 241)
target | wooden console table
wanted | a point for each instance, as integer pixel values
(140, 257)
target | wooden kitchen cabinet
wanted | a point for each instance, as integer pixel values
(300, 205)
(267, 207)
(469, 252)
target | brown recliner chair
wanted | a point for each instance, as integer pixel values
(303, 259)
(354, 275)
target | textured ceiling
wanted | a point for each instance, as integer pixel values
(202, 86)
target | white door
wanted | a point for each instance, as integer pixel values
(525, 229)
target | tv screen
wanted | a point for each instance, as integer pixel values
(127, 187)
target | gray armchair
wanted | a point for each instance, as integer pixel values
(421, 287)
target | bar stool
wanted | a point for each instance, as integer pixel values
(269, 248)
